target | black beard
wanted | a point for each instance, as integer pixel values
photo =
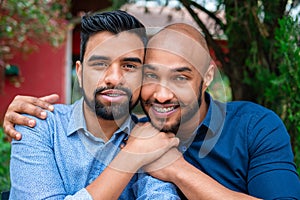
(114, 111)
(175, 127)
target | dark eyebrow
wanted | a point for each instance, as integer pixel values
(178, 69)
(181, 69)
(132, 59)
(151, 67)
(95, 57)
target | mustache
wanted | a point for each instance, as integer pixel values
(101, 89)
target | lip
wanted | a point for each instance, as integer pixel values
(163, 110)
(113, 95)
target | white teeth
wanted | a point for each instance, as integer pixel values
(113, 95)
(163, 110)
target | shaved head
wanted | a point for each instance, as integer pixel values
(190, 31)
(185, 41)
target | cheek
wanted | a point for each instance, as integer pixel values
(187, 95)
(133, 78)
(133, 81)
(135, 95)
(147, 91)
(93, 77)
(90, 82)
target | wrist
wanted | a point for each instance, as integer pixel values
(126, 162)
(180, 171)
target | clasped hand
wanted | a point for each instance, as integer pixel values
(145, 145)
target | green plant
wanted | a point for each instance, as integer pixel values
(287, 83)
(24, 21)
(280, 88)
(4, 162)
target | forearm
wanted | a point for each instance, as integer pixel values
(110, 184)
(197, 185)
(113, 180)
(143, 146)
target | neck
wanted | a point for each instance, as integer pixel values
(100, 127)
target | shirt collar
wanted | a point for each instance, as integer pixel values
(77, 120)
(215, 117)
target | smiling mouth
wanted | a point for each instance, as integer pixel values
(165, 109)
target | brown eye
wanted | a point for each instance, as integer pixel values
(100, 64)
(129, 66)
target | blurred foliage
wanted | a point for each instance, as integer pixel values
(263, 60)
(4, 162)
(22, 21)
(281, 90)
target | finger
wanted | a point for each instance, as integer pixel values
(167, 159)
(20, 102)
(10, 132)
(33, 108)
(144, 131)
(51, 99)
(40, 103)
(12, 118)
(170, 135)
(174, 142)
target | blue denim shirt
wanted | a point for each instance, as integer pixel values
(58, 158)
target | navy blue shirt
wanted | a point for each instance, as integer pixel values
(246, 148)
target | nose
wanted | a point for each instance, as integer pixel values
(163, 94)
(113, 75)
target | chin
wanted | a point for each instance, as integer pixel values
(165, 127)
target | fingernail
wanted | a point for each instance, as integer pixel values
(43, 114)
(51, 107)
(31, 124)
(18, 136)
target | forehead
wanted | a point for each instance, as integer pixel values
(177, 46)
(114, 45)
(165, 59)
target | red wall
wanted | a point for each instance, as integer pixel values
(43, 73)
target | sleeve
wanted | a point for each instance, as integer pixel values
(272, 172)
(147, 187)
(33, 170)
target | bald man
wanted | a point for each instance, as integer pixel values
(230, 150)
(235, 150)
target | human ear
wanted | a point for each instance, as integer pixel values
(209, 74)
(79, 72)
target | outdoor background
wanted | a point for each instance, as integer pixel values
(254, 43)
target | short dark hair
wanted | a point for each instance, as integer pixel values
(114, 21)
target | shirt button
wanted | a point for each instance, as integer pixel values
(183, 148)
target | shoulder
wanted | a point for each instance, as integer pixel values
(247, 107)
(62, 109)
(44, 128)
(265, 129)
(253, 114)
(259, 122)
